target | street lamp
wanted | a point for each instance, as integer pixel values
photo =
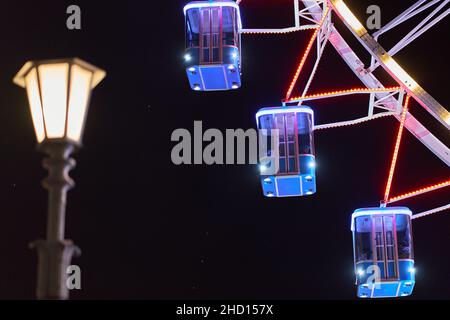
(58, 94)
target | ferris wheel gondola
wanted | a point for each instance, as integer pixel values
(287, 158)
(213, 45)
(383, 252)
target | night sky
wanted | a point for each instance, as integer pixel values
(150, 229)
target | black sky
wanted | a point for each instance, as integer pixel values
(151, 230)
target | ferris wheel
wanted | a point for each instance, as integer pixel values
(382, 236)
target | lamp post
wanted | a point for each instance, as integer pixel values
(58, 94)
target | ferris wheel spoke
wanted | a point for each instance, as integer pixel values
(430, 212)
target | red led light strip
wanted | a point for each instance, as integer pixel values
(420, 191)
(396, 150)
(343, 92)
(305, 55)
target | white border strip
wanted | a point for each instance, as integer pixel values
(277, 110)
(198, 5)
(378, 211)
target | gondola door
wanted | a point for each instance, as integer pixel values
(286, 124)
(211, 35)
(384, 242)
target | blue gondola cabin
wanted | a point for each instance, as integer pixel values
(213, 45)
(383, 251)
(287, 158)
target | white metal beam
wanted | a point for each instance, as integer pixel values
(278, 31)
(413, 88)
(322, 40)
(303, 13)
(430, 212)
(355, 64)
(404, 16)
(352, 122)
(416, 32)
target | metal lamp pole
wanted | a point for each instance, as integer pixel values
(58, 92)
(55, 253)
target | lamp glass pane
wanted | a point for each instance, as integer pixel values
(31, 83)
(53, 80)
(78, 99)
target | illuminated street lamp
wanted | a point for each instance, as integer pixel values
(58, 94)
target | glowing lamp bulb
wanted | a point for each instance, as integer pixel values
(187, 57)
(312, 164)
(360, 272)
(58, 93)
(412, 270)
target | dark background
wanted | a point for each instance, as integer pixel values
(152, 230)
